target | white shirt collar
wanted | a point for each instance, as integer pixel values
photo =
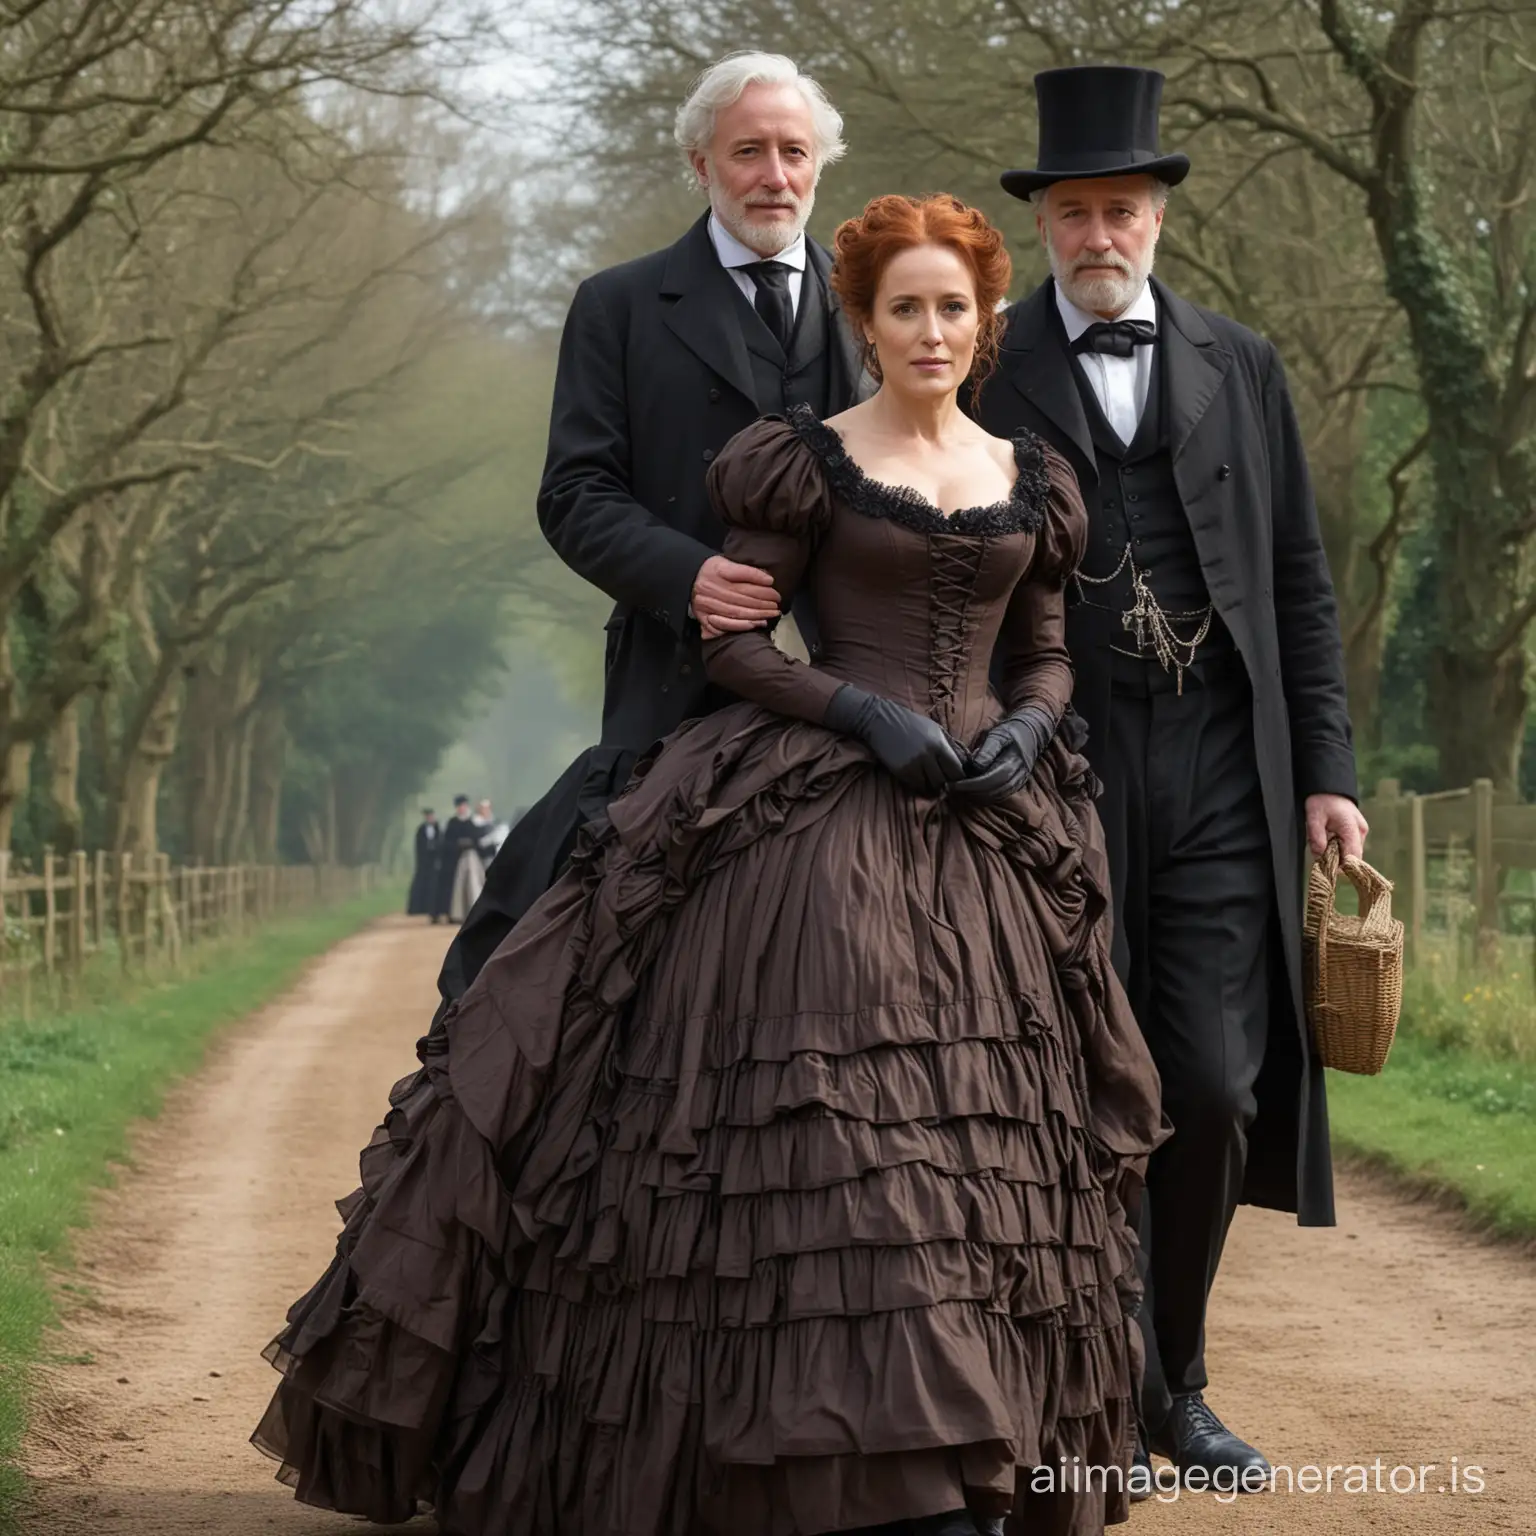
(1142, 307)
(733, 253)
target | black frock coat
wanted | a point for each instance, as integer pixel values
(1241, 475)
(654, 378)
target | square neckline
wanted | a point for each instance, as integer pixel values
(1022, 510)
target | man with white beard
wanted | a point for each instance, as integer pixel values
(663, 360)
(1205, 642)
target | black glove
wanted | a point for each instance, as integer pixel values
(1002, 764)
(916, 751)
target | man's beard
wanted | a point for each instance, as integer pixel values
(765, 239)
(1100, 293)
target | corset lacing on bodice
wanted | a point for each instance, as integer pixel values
(956, 562)
(957, 542)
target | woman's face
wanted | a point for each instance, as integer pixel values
(925, 322)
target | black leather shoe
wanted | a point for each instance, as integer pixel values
(1141, 1482)
(1193, 1437)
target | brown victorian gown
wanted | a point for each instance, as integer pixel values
(773, 1178)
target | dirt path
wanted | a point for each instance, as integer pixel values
(1393, 1336)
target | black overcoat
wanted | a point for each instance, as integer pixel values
(1241, 474)
(654, 379)
(424, 879)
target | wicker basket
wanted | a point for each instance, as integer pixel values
(1354, 966)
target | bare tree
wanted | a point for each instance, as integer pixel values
(1424, 115)
(136, 280)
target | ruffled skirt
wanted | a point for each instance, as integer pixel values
(775, 1177)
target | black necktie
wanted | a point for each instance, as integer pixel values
(1119, 338)
(773, 303)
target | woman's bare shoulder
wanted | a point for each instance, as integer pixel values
(847, 421)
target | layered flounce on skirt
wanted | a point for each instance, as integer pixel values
(773, 1178)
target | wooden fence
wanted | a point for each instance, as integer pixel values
(57, 917)
(1457, 849)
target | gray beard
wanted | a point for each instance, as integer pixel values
(753, 235)
(1101, 295)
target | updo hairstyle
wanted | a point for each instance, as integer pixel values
(864, 247)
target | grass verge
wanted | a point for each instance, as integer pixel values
(72, 1083)
(1449, 1121)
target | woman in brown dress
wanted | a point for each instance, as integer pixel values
(773, 1178)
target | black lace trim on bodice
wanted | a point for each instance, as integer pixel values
(1022, 512)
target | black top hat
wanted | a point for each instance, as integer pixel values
(461, 799)
(1097, 120)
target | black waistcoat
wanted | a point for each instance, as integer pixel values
(805, 376)
(1136, 502)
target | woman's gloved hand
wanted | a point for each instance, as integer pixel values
(1001, 765)
(914, 750)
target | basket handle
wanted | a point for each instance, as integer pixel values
(1375, 892)
(1330, 865)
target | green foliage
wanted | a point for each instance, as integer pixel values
(1450, 1121)
(1492, 1018)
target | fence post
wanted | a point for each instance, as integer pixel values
(50, 914)
(168, 916)
(5, 940)
(1418, 878)
(77, 915)
(154, 914)
(124, 922)
(1386, 828)
(146, 903)
(99, 898)
(1485, 871)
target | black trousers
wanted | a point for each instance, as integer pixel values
(1190, 863)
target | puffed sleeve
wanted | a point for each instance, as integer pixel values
(770, 491)
(1034, 667)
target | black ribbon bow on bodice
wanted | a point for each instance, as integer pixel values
(1118, 338)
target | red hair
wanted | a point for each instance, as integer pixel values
(864, 247)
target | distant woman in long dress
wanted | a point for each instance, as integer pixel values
(775, 1177)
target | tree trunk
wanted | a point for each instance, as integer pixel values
(234, 824)
(1478, 709)
(269, 753)
(15, 775)
(136, 816)
(201, 759)
(1477, 686)
(1359, 582)
(64, 781)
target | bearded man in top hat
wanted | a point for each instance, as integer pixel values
(1209, 669)
(662, 361)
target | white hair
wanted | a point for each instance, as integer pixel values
(724, 81)
(1160, 191)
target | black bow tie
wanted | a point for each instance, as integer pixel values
(1118, 338)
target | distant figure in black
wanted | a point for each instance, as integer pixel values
(424, 880)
